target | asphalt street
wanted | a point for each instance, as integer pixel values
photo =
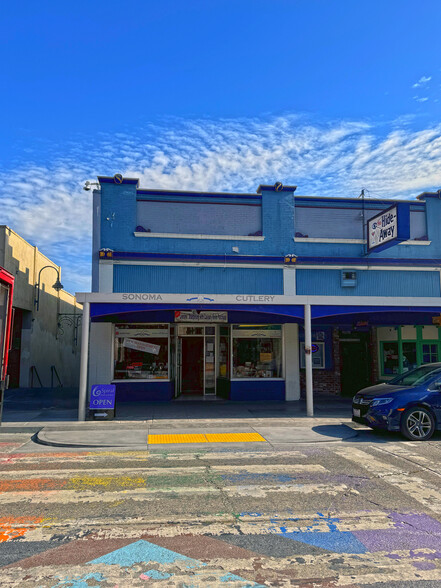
(354, 513)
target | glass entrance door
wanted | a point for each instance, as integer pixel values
(178, 382)
(210, 365)
(196, 360)
(192, 365)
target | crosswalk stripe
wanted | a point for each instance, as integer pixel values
(242, 524)
(201, 454)
(420, 490)
(403, 452)
(139, 494)
(155, 471)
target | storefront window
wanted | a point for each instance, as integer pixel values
(414, 345)
(390, 358)
(409, 355)
(257, 351)
(317, 354)
(430, 352)
(141, 352)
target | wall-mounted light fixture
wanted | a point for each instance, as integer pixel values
(87, 185)
(57, 286)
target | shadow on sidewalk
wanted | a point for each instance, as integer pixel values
(40, 404)
(61, 404)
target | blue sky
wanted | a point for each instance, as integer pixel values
(214, 94)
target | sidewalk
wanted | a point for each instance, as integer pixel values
(50, 415)
(43, 405)
(136, 437)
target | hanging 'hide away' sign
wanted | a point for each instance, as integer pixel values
(390, 227)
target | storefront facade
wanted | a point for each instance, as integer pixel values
(203, 359)
(229, 350)
(255, 296)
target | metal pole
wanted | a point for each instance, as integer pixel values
(308, 362)
(84, 362)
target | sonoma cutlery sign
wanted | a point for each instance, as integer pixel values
(389, 227)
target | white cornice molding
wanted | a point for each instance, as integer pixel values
(261, 299)
(279, 266)
(209, 237)
(352, 241)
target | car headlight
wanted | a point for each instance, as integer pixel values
(380, 401)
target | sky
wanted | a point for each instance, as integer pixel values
(218, 95)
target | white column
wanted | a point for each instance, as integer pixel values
(289, 281)
(100, 354)
(292, 375)
(83, 362)
(105, 270)
(308, 362)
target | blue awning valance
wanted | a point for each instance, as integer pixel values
(265, 312)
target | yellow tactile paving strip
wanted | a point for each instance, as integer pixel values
(207, 438)
(180, 438)
(233, 437)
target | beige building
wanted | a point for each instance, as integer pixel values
(45, 346)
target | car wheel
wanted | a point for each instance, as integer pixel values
(417, 424)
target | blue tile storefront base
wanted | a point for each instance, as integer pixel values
(271, 390)
(233, 390)
(144, 391)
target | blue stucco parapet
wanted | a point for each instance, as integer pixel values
(276, 241)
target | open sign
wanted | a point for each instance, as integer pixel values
(102, 396)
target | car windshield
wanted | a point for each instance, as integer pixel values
(417, 376)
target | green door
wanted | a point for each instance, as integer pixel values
(355, 363)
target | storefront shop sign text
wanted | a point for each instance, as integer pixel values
(140, 333)
(193, 316)
(142, 346)
(143, 297)
(389, 227)
(254, 298)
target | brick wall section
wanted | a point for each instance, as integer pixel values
(326, 381)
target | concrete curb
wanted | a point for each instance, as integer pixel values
(116, 438)
(17, 429)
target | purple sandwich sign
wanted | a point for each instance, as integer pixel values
(102, 397)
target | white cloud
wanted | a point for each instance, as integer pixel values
(46, 203)
(423, 80)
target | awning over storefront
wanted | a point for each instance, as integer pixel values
(374, 315)
(165, 312)
(325, 314)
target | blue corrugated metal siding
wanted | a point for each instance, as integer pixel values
(199, 218)
(191, 280)
(369, 283)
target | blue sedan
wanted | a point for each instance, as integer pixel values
(410, 403)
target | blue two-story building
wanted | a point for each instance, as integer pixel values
(257, 296)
